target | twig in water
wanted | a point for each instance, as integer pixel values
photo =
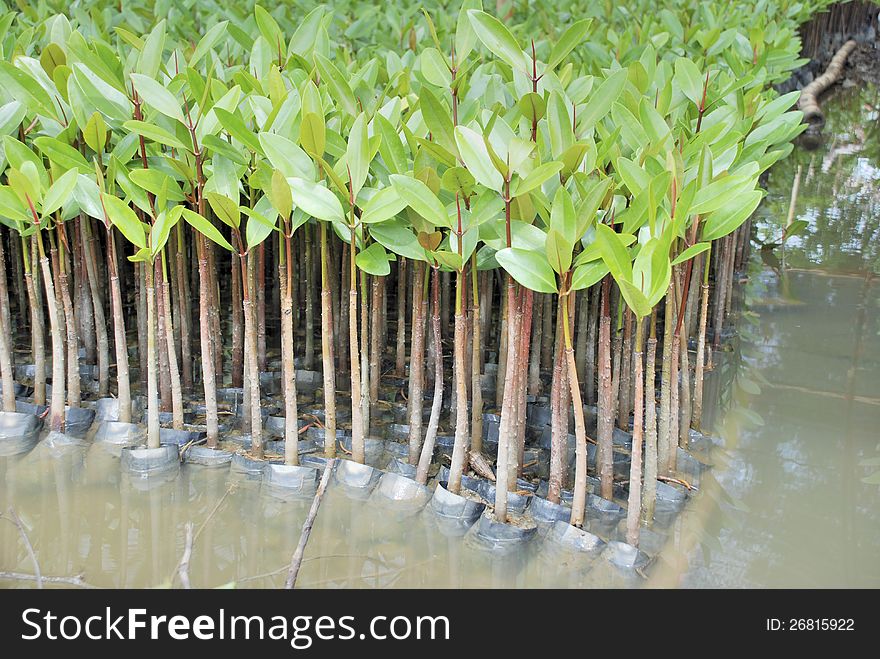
(13, 517)
(183, 570)
(297, 558)
(201, 528)
(22, 576)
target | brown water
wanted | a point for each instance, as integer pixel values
(785, 504)
(793, 504)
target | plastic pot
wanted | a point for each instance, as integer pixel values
(19, 432)
(563, 535)
(248, 467)
(147, 462)
(290, 482)
(545, 512)
(357, 480)
(120, 434)
(625, 557)
(490, 534)
(401, 493)
(398, 466)
(207, 457)
(180, 437)
(374, 450)
(454, 506)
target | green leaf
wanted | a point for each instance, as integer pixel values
(155, 134)
(563, 218)
(357, 154)
(269, 29)
(536, 178)
(691, 252)
(151, 55)
(721, 192)
(570, 39)
(419, 197)
(687, 77)
(339, 89)
(224, 208)
(374, 260)
(63, 155)
(438, 120)
(727, 219)
(95, 133)
(558, 251)
(398, 237)
(258, 227)
(498, 39)
(312, 134)
(600, 101)
(434, 68)
(207, 42)
(162, 229)
(157, 96)
(614, 253)
(233, 124)
(279, 194)
(383, 205)
(588, 274)
(124, 219)
(528, 268)
(59, 192)
(205, 228)
(472, 148)
(316, 200)
(286, 156)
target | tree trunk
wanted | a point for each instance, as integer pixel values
(173, 371)
(327, 351)
(558, 414)
(604, 457)
(123, 380)
(579, 502)
(152, 376)
(357, 420)
(209, 380)
(248, 276)
(699, 372)
(375, 338)
(103, 343)
(416, 362)
(6, 338)
(237, 323)
(508, 407)
(634, 503)
(650, 493)
(460, 448)
(184, 313)
(74, 398)
(476, 358)
(365, 354)
(427, 452)
(309, 355)
(400, 363)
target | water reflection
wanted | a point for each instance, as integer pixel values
(791, 507)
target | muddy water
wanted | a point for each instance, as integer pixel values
(791, 506)
(785, 504)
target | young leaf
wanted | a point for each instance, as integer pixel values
(528, 268)
(498, 39)
(316, 200)
(205, 228)
(691, 252)
(419, 197)
(124, 219)
(59, 192)
(472, 148)
(383, 205)
(157, 96)
(374, 260)
(357, 154)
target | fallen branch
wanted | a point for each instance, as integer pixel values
(808, 103)
(23, 576)
(297, 558)
(14, 518)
